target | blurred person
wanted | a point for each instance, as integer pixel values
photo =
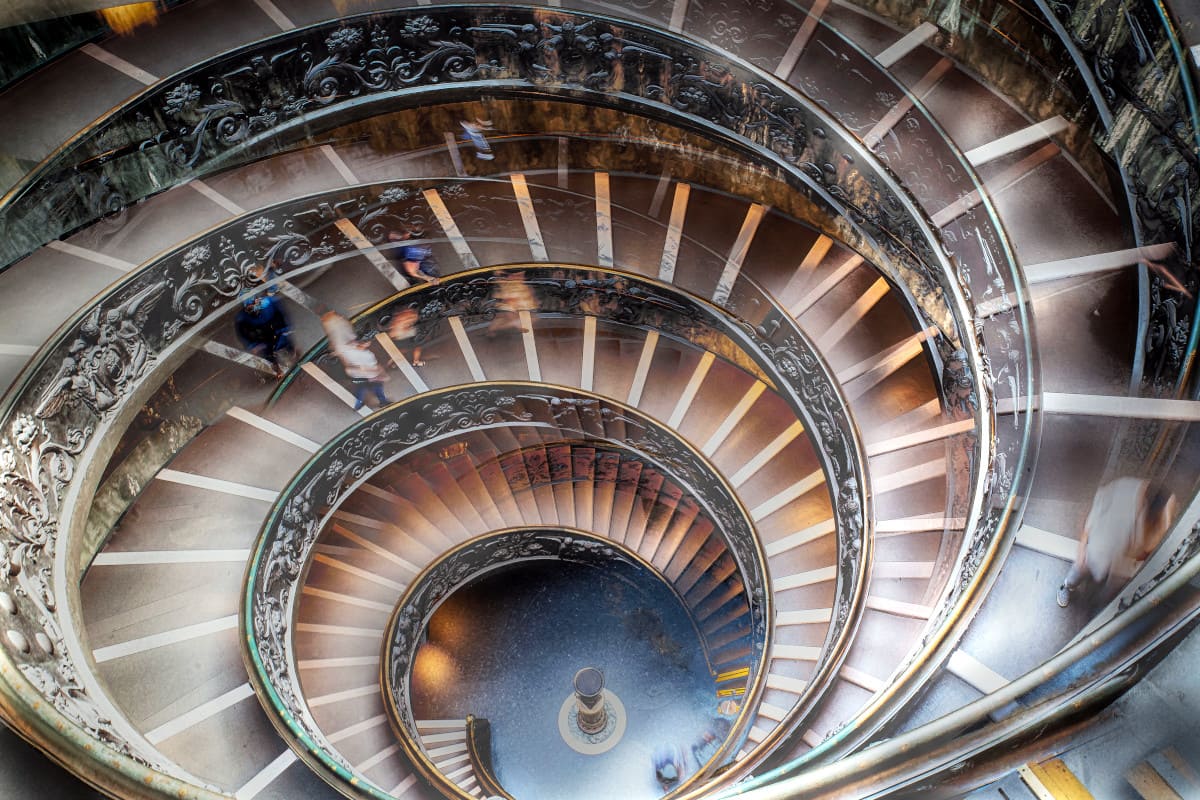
(728, 708)
(1128, 519)
(710, 740)
(264, 329)
(668, 765)
(416, 260)
(339, 331)
(403, 328)
(364, 371)
(512, 295)
(473, 134)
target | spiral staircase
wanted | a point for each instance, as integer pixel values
(838, 316)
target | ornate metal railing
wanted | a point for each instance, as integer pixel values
(261, 90)
(194, 283)
(258, 93)
(66, 401)
(255, 96)
(1141, 84)
(41, 456)
(624, 65)
(783, 357)
(1124, 78)
(281, 556)
(156, 310)
(771, 346)
(558, 469)
(287, 89)
(1131, 92)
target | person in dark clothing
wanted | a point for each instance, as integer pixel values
(416, 260)
(265, 330)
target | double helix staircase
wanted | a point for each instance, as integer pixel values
(880, 633)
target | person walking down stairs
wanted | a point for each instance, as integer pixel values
(364, 371)
(473, 134)
(416, 261)
(339, 331)
(669, 763)
(1128, 519)
(265, 330)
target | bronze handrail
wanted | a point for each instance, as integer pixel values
(479, 751)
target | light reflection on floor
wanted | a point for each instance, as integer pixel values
(507, 647)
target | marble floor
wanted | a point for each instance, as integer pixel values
(507, 646)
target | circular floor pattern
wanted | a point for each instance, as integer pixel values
(592, 744)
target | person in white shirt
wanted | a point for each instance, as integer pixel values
(363, 370)
(1127, 521)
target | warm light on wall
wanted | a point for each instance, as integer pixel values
(123, 20)
(435, 669)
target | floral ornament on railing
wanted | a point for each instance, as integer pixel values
(398, 210)
(222, 119)
(34, 472)
(421, 52)
(110, 355)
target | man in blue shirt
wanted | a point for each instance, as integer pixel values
(416, 260)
